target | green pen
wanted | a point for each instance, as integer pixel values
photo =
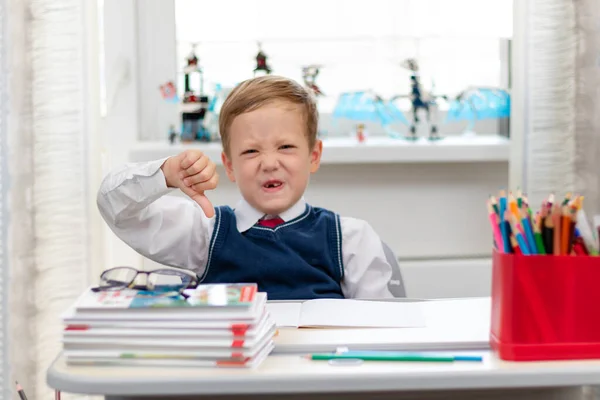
(391, 356)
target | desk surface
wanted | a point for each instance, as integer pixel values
(294, 374)
(290, 373)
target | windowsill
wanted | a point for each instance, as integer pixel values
(375, 150)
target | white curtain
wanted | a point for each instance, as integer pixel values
(22, 334)
(562, 144)
(4, 345)
(587, 103)
(550, 95)
(48, 199)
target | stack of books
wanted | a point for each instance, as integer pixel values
(221, 325)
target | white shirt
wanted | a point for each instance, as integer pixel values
(173, 230)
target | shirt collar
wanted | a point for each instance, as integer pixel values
(247, 216)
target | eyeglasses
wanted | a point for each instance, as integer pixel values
(159, 280)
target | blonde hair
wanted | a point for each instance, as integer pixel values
(255, 93)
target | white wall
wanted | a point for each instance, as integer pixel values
(120, 126)
(157, 65)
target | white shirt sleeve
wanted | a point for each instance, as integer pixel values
(170, 230)
(366, 269)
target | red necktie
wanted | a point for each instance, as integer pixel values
(271, 223)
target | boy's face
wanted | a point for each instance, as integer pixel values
(269, 157)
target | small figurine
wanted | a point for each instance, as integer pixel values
(172, 134)
(194, 105)
(192, 67)
(360, 133)
(168, 91)
(192, 60)
(261, 61)
(309, 75)
(419, 100)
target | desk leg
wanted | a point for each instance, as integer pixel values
(570, 393)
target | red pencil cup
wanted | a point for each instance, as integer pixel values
(545, 307)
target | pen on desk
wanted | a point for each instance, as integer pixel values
(20, 391)
(391, 356)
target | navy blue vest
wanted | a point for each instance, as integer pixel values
(300, 259)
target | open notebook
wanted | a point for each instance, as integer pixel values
(328, 313)
(451, 324)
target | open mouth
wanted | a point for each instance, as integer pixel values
(272, 184)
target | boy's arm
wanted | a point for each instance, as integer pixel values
(366, 269)
(170, 230)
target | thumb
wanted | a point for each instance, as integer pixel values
(200, 199)
(205, 205)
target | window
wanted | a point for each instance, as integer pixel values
(360, 45)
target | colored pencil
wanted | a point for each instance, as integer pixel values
(560, 227)
(514, 246)
(556, 221)
(519, 198)
(565, 230)
(495, 223)
(523, 244)
(547, 228)
(526, 222)
(501, 205)
(20, 391)
(494, 203)
(539, 241)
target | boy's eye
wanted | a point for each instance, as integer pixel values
(287, 146)
(249, 151)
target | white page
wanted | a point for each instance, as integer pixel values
(361, 313)
(285, 314)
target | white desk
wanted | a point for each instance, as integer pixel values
(292, 377)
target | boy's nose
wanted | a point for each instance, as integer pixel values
(270, 162)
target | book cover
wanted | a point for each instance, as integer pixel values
(204, 296)
(218, 295)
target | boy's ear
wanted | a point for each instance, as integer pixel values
(228, 166)
(315, 156)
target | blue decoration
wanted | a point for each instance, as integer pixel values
(478, 104)
(368, 107)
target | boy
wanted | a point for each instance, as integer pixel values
(268, 127)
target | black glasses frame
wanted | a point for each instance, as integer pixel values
(130, 285)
